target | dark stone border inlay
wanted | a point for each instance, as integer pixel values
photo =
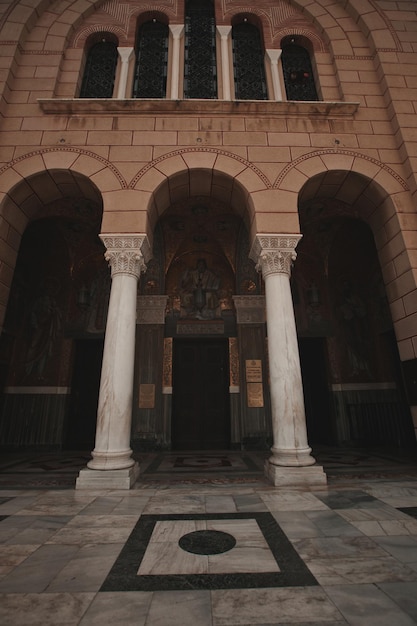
(409, 510)
(123, 575)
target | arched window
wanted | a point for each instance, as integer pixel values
(248, 63)
(100, 70)
(200, 70)
(151, 61)
(298, 73)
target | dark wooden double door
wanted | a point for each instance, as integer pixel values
(201, 411)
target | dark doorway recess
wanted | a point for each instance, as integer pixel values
(315, 386)
(81, 425)
(200, 416)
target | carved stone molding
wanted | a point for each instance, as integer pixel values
(126, 253)
(274, 253)
(250, 309)
(151, 309)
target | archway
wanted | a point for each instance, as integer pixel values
(352, 376)
(201, 264)
(56, 312)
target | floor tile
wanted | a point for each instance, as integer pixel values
(180, 608)
(127, 609)
(46, 609)
(258, 606)
(365, 605)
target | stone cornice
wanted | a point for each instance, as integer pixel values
(270, 108)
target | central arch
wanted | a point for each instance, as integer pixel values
(201, 218)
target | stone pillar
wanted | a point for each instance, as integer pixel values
(273, 56)
(176, 32)
(125, 55)
(224, 32)
(112, 465)
(291, 462)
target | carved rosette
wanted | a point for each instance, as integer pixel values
(126, 254)
(274, 254)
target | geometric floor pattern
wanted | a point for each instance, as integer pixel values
(214, 552)
(60, 470)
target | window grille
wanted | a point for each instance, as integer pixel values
(100, 70)
(298, 73)
(200, 70)
(248, 62)
(151, 61)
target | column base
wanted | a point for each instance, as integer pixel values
(306, 476)
(107, 479)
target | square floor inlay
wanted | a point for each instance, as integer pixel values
(259, 554)
(216, 463)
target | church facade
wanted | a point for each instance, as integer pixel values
(208, 229)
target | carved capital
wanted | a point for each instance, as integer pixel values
(126, 254)
(274, 254)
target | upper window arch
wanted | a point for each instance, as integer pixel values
(100, 68)
(248, 62)
(297, 71)
(150, 79)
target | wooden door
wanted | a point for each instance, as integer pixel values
(201, 415)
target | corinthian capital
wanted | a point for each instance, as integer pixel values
(274, 254)
(126, 254)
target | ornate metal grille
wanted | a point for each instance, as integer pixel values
(200, 71)
(248, 62)
(298, 73)
(100, 70)
(151, 61)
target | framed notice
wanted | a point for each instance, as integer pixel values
(253, 371)
(255, 395)
(146, 396)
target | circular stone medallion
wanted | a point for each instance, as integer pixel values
(207, 542)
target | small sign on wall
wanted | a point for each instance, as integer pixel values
(147, 396)
(253, 371)
(254, 387)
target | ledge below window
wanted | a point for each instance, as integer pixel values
(86, 106)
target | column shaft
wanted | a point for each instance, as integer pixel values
(112, 451)
(291, 455)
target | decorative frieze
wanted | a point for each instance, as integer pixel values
(250, 309)
(274, 253)
(151, 309)
(126, 254)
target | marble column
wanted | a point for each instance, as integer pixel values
(112, 465)
(273, 56)
(224, 32)
(291, 462)
(125, 54)
(176, 32)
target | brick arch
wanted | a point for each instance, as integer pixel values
(296, 173)
(41, 184)
(101, 172)
(231, 177)
(315, 41)
(84, 34)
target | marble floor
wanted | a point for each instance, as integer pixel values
(225, 551)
